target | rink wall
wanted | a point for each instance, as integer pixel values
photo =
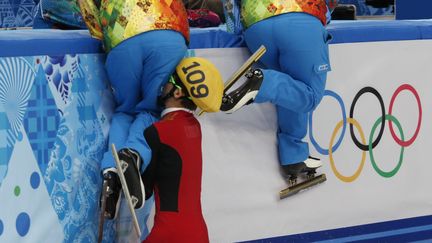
(55, 107)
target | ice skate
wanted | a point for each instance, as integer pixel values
(245, 94)
(127, 163)
(131, 162)
(244, 69)
(306, 170)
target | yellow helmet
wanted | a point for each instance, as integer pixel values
(203, 82)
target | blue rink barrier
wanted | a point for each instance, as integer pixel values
(50, 151)
(57, 42)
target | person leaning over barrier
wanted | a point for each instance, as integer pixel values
(296, 66)
(144, 43)
(175, 171)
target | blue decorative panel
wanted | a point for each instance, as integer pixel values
(42, 119)
(54, 121)
(16, 79)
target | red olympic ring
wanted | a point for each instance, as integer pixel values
(395, 94)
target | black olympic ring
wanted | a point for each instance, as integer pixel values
(351, 115)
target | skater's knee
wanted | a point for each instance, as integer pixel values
(316, 101)
(315, 97)
(312, 98)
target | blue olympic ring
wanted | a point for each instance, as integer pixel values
(311, 137)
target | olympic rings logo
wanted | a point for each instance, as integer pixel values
(362, 145)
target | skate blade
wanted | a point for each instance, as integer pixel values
(302, 186)
(245, 67)
(102, 212)
(242, 70)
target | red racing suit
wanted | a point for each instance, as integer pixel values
(174, 175)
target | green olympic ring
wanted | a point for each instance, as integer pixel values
(391, 173)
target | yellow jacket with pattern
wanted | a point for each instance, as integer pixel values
(241, 14)
(117, 20)
(256, 10)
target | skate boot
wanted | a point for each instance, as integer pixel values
(245, 94)
(112, 195)
(308, 167)
(132, 175)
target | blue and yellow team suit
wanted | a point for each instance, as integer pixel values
(296, 61)
(145, 40)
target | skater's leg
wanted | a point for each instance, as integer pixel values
(300, 89)
(118, 133)
(297, 87)
(304, 65)
(123, 72)
(136, 140)
(123, 68)
(283, 90)
(293, 152)
(292, 128)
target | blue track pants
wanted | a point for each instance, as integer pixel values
(137, 69)
(297, 59)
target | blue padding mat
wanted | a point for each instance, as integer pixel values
(58, 42)
(379, 30)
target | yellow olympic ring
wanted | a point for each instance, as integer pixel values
(333, 166)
